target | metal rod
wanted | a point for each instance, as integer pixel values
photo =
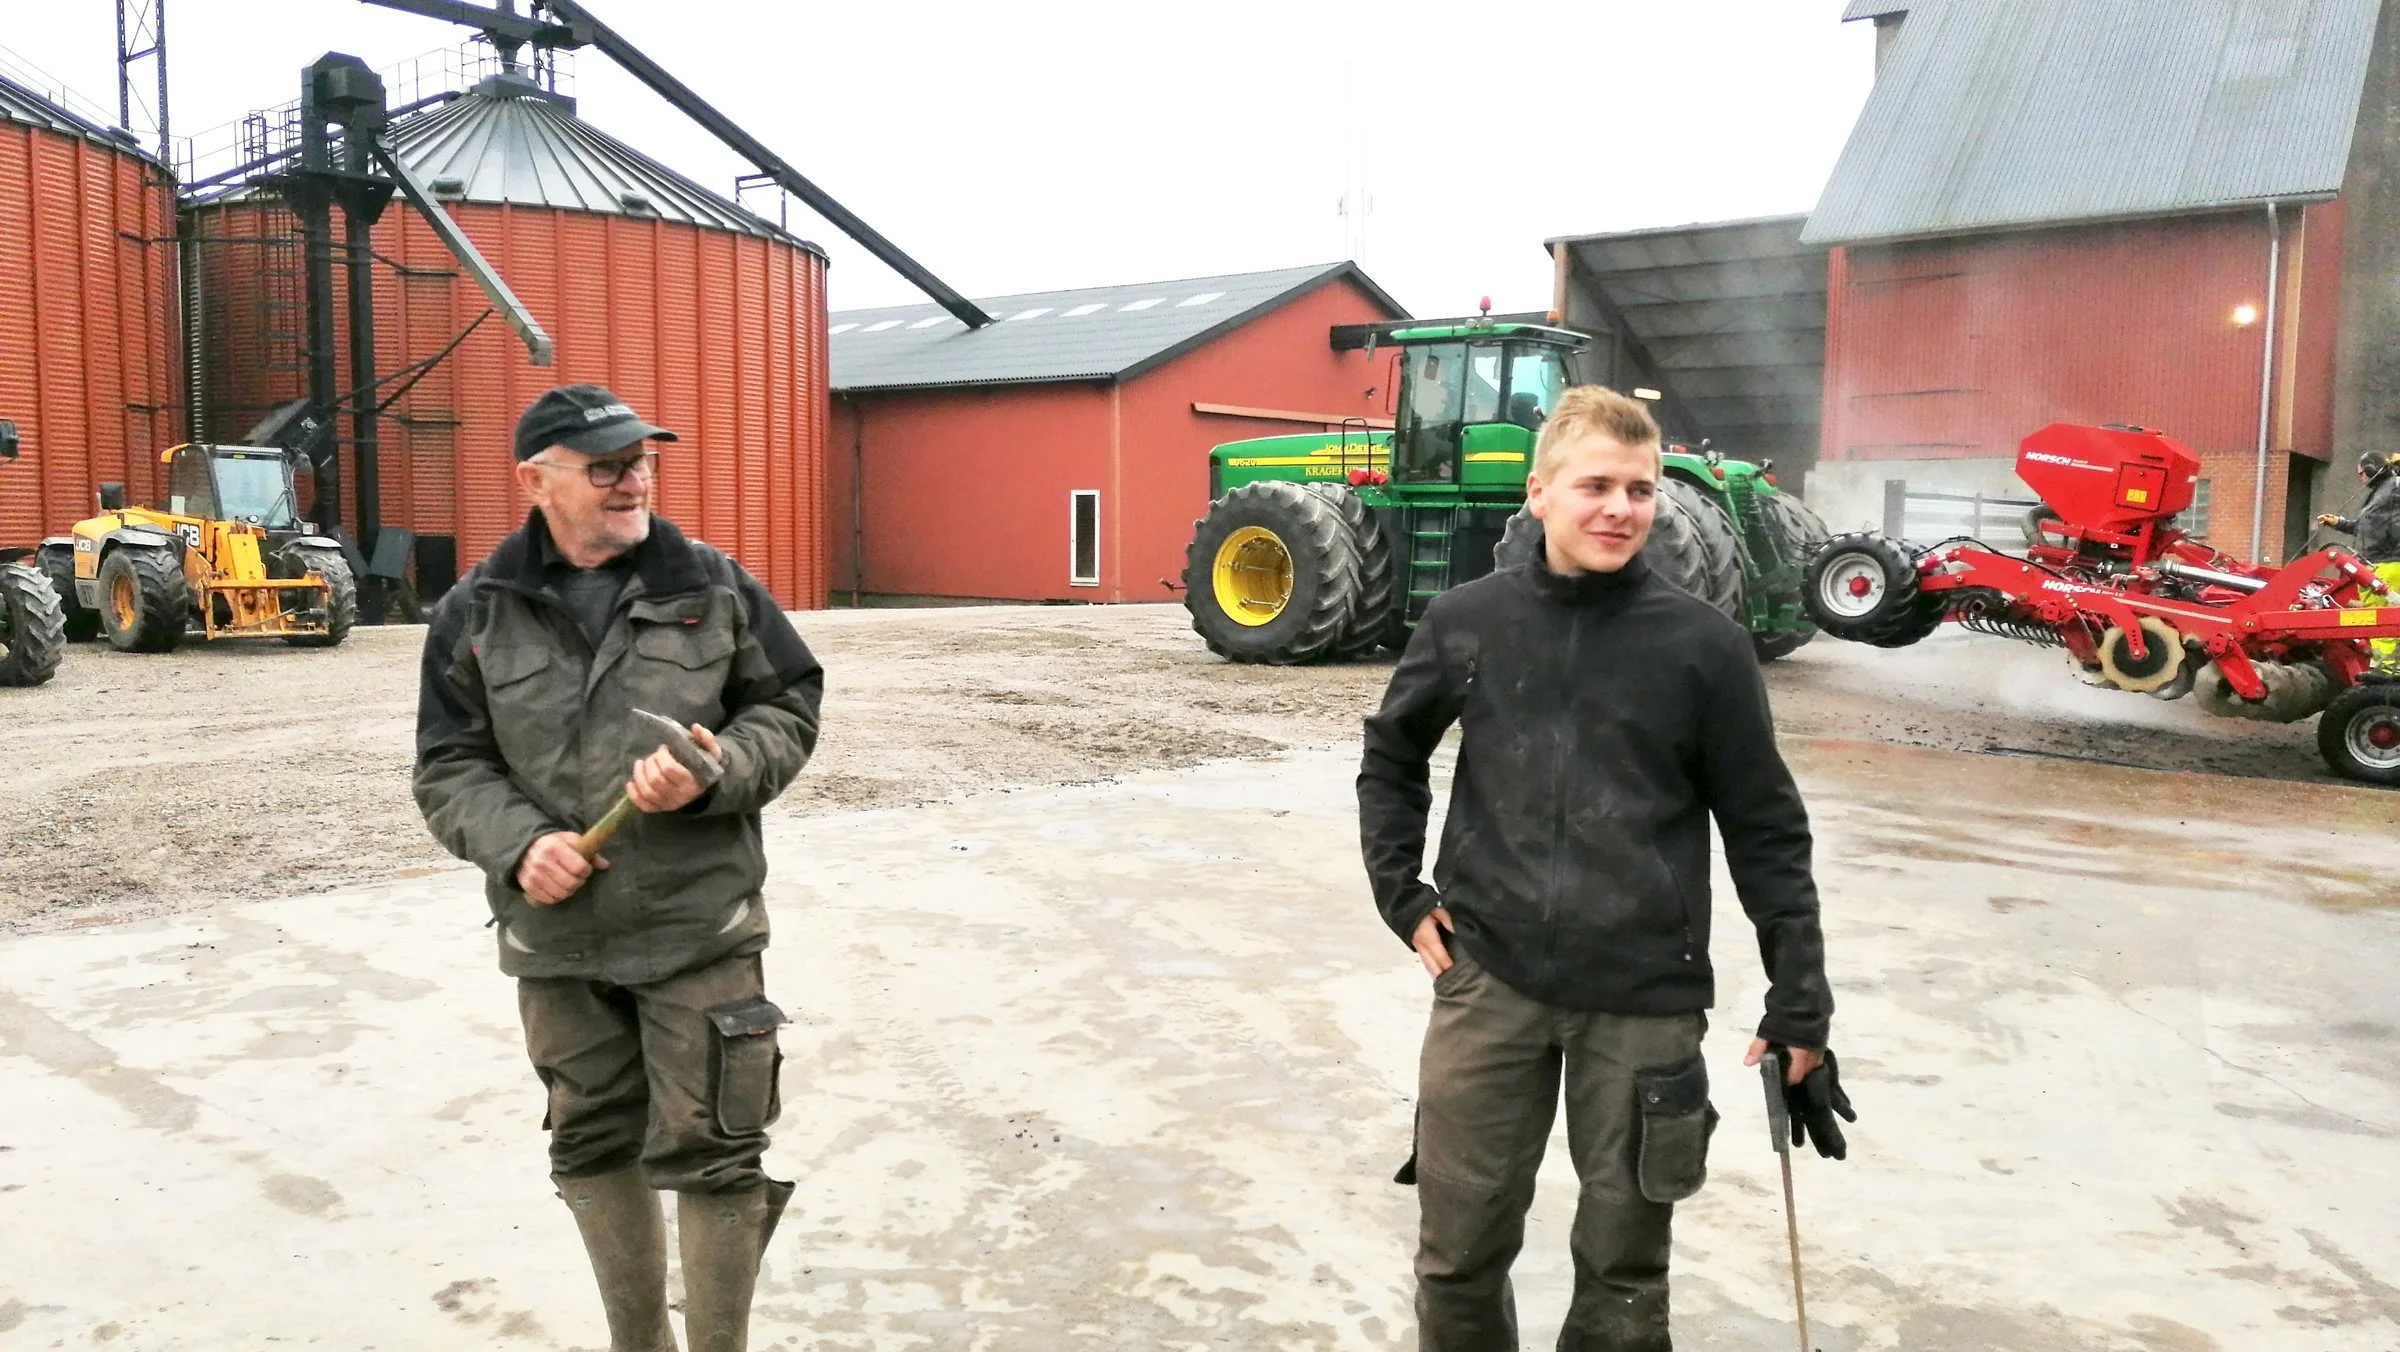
(1791, 1229)
(2192, 572)
(2266, 387)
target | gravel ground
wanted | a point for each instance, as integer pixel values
(149, 784)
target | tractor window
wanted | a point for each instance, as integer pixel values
(190, 492)
(251, 489)
(1426, 438)
(1537, 376)
(1483, 385)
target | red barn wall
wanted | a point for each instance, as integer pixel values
(966, 491)
(87, 317)
(1956, 349)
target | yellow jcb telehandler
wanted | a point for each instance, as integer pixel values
(226, 556)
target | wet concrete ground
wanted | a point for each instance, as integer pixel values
(1128, 1066)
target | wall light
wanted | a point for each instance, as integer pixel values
(2244, 315)
(1643, 392)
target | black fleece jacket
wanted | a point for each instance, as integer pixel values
(1604, 718)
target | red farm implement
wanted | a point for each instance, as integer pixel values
(2140, 605)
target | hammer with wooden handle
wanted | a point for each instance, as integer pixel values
(677, 740)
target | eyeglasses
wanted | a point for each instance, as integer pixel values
(610, 473)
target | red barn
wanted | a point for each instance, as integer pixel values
(1061, 454)
(2137, 211)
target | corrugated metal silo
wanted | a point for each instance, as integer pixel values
(87, 313)
(701, 314)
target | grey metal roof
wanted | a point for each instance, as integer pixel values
(1096, 333)
(506, 141)
(1726, 318)
(20, 104)
(1876, 9)
(2000, 113)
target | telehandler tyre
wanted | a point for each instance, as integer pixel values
(144, 600)
(32, 632)
(1271, 575)
(341, 593)
(58, 563)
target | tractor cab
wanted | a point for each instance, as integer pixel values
(1472, 398)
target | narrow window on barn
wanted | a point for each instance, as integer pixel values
(1083, 538)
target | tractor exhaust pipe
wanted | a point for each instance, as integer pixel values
(2295, 690)
(2192, 572)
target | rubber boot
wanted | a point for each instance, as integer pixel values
(722, 1235)
(625, 1231)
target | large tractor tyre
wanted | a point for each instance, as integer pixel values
(340, 605)
(1795, 527)
(2359, 734)
(144, 600)
(1380, 622)
(1271, 575)
(58, 564)
(1772, 647)
(1691, 544)
(33, 633)
(1863, 587)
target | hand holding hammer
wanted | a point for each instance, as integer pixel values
(687, 764)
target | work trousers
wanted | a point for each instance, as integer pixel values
(678, 1074)
(1488, 1090)
(2384, 653)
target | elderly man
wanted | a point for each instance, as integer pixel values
(1606, 715)
(638, 977)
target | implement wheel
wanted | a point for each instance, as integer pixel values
(1863, 587)
(2359, 734)
(1272, 575)
(337, 605)
(144, 600)
(32, 632)
(2162, 656)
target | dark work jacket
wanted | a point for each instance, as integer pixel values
(1603, 718)
(2377, 524)
(525, 726)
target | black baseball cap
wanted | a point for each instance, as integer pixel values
(585, 418)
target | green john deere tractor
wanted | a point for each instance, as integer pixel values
(1331, 545)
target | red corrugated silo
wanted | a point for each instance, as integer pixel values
(87, 314)
(704, 316)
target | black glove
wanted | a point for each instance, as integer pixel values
(1813, 1104)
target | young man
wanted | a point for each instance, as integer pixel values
(637, 971)
(1605, 715)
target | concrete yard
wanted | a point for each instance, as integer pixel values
(1127, 1063)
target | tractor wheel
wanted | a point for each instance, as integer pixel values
(144, 600)
(1271, 575)
(1691, 545)
(340, 606)
(58, 563)
(2359, 734)
(32, 632)
(1795, 527)
(1380, 621)
(1863, 587)
(1770, 647)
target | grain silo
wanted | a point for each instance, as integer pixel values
(706, 317)
(87, 313)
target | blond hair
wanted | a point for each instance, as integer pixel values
(1593, 409)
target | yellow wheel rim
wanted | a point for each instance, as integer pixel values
(120, 596)
(1253, 576)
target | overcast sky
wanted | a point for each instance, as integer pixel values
(1047, 145)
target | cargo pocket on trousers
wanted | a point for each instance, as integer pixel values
(749, 1065)
(1677, 1121)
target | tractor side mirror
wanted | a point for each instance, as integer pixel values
(112, 496)
(8, 440)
